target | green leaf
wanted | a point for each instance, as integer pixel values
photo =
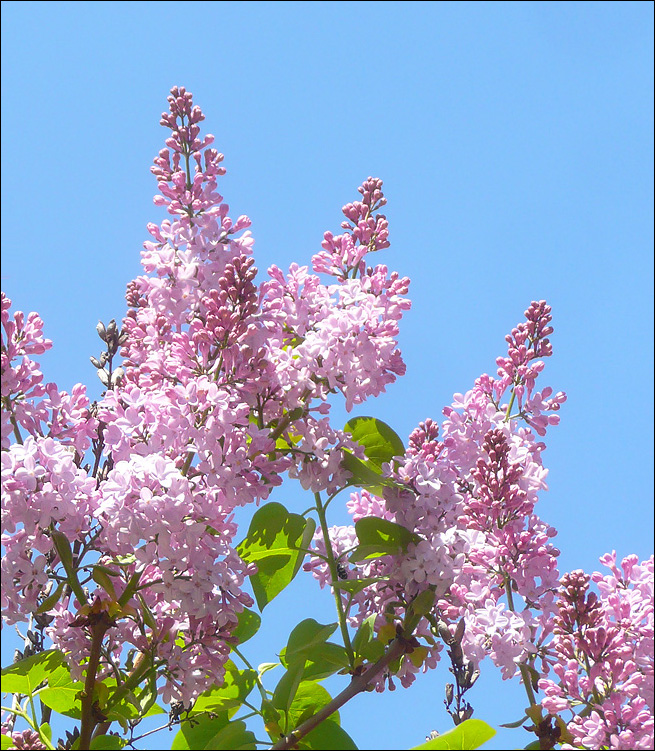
(144, 700)
(305, 542)
(365, 633)
(305, 636)
(323, 661)
(232, 737)
(24, 677)
(52, 599)
(235, 688)
(264, 667)
(378, 537)
(63, 547)
(423, 603)
(381, 443)
(309, 699)
(248, 626)
(6, 741)
(198, 734)
(46, 730)
(287, 686)
(356, 585)
(273, 539)
(516, 724)
(365, 642)
(154, 710)
(62, 694)
(328, 735)
(365, 474)
(100, 576)
(109, 742)
(470, 734)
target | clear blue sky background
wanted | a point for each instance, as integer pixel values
(515, 142)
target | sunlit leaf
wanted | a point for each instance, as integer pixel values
(381, 443)
(470, 734)
(24, 676)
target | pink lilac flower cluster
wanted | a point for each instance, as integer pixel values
(604, 649)
(490, 560)
(470, 497)
(224, 388)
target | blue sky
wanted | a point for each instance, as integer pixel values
(515, 143)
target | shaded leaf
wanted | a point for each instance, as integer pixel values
(272, 541)
(328, 735)
(107, 742)
(323, 661)
(235, 688)
(378, 537)
(287, 686)
(305, 636)
(198, 734)
(309, 699)
(232, 737)
(248, 625)
(516, 724)
(365, 474)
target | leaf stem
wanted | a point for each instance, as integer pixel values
(334, 576)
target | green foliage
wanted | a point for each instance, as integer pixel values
(273, 542)
(380, 443)
(235, 688)
(327, 735)
(309, 699)
(109, 742)
(304, 637)
(213, 732)
(285, 691)
(248, 625)
(365, 644)
(322, 661)
(378, 537)
(62, 693)
(469, 734)
(25, 676)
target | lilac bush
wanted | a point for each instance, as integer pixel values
(122, 554)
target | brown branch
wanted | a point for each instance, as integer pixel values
(358, 684)
(99, 624)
